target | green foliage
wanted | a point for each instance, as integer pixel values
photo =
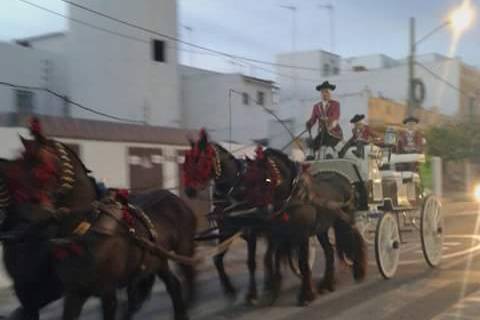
(454, 142)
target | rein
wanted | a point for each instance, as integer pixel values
(149, 245)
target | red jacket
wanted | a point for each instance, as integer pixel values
(332, 115)
(363, 134)
(410, 142)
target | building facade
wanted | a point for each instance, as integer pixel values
(135, 79)
(378, 76)
(232, 107)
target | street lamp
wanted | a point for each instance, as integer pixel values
(459, 20)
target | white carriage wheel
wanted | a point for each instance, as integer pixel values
(432, 231)
(312, 247)
(387, 245)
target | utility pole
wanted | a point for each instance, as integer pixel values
(293, 10)
(190, 31)
(331, 15)
(411, 70)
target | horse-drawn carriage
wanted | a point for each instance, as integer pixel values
(391, 202)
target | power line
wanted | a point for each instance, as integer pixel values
(68, 100)
(83, 22)
(169, 37)
(440, 78)
(140, 40)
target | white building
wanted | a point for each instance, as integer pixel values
(361, 78)
(132, 79)
(22, 65)
(220, 102)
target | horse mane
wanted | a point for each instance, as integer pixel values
(283, 157)
(76, 157)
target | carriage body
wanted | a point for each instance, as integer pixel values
(398, 205)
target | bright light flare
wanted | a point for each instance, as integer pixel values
(462, 18)
(476, 193)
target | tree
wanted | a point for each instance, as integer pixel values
(454, 142)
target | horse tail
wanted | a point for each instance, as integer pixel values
(351, 245)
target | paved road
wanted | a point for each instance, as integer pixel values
(416, 292)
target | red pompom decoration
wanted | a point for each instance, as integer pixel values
(35, 127)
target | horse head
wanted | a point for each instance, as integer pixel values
(43, 177)
(206, 161)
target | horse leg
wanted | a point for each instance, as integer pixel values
(328, 281)
(174, 289)
(186, 248)
(307, 293)
(109, 306)
(73, 305)
(268, 265)
(271, 293)
(227, 285)
(138, 292)
(252, 295)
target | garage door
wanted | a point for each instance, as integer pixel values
(146, 168)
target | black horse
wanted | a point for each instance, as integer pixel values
(34, 194)
(304, 206)
(209, 162)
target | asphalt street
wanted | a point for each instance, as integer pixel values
(451, 291)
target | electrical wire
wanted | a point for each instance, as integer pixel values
(68, 100)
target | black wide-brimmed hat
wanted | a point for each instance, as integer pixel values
(356, 118)
(326, 85)
(410, 119)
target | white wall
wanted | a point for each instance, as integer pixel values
(118, 75)
(295, 83)
(205, 102)
(354, 89)
(107, 160)
(35, 68)
(55, 44)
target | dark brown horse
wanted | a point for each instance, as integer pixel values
(48, 176)
(305, 206)
(113, 250)
(208, 162)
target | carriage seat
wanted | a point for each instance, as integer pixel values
(391, 175)
(409, 176)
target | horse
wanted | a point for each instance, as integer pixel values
(120, 245)
(304, 206)
(209, 162)
(47, 177)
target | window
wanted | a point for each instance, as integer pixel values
(245, 98)
(326, 69)
(24, 101)
(158, 50)
(260, 98)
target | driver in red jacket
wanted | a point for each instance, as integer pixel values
(327, 114)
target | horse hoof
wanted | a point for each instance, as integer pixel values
(326, 286)
(305, 299)
(269, 298)
(231, 293)
(251, 300)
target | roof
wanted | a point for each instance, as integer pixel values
(40, 37)
(84, 129)
(269, 83)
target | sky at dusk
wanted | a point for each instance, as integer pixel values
(261, 29)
